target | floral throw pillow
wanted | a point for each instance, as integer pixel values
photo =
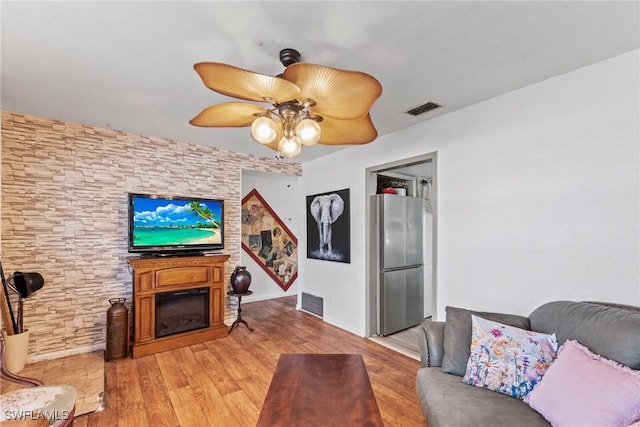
(506, 359)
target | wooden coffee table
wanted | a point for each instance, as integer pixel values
(320, 389)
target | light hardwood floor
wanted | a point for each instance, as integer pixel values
(405, 342)
(224, 382)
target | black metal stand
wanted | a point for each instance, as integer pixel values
(239, 319)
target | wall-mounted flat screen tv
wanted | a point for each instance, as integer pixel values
(170, 225)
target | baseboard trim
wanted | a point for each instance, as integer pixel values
(299, 308)
(64, 353)
(266, 297)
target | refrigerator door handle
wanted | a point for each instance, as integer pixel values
(404, 267)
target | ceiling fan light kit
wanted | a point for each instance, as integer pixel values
(302, 97)
(289, 147)
(308, 132)
(298, 127)
(263, 129)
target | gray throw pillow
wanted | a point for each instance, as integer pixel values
(457, 335)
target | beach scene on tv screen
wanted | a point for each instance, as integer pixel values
(160, 222)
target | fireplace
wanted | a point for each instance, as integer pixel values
(177, 301)
(181, 311)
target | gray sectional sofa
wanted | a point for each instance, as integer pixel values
(611, 330)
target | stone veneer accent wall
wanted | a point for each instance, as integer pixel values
(64, 215)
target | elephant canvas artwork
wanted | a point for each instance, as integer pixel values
(328, 226)
(268, 241)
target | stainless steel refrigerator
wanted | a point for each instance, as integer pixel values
(399, 271)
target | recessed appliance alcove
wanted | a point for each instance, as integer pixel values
(413, 177)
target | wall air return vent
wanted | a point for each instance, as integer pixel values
(312, 304)
(424, 108)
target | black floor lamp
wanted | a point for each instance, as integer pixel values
(23, 285)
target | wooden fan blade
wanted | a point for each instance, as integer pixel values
(343, 132)
(338, 93)
(244, 84)
(229, 114)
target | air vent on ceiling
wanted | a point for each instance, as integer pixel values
(423, 108)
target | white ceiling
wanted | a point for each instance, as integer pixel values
(129, 65)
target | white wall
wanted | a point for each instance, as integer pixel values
(282, 194)
(539, 197)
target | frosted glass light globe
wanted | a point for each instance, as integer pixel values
(263, 130)
(289, 147)
(308, 132)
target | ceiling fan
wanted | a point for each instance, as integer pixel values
(309, 104)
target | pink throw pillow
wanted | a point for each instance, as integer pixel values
(582, 388)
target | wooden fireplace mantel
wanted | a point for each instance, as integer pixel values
(156, 275)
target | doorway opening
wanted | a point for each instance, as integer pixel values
(412, 177)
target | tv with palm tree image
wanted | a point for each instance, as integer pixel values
(170, 225)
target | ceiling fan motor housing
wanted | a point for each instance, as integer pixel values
(289, 56)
